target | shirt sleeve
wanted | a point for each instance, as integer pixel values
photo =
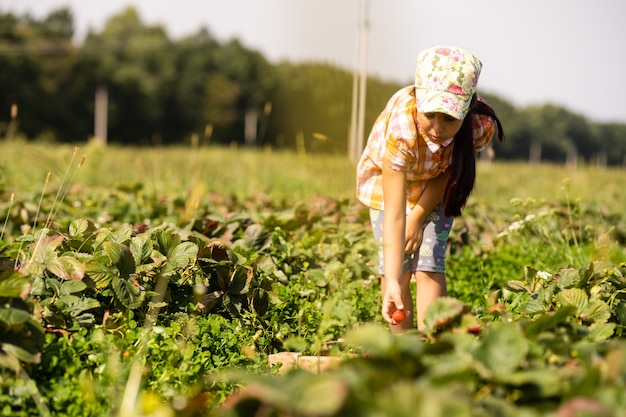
(484, 130)
(400, 137)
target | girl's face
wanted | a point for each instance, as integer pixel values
(438, 127)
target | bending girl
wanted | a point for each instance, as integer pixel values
(417, 172)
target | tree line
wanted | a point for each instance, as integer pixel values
(198, 90)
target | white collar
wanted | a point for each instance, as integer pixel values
(434, 147)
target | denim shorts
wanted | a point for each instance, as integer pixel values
(431, 256)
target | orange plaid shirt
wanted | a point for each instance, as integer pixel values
(396, 140)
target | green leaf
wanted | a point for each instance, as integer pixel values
(443, 311)
(83, 304)
(84, 319)
(549, 320)
(240, 281)
(127, 292)
(568, 278)
(503, 349)
(114, 250)
(261, 302)
(122, 235)
(575, 297)
(10, 362)
(72, 287)
(20, 353)
(13, 284)
(373, 338)
(66, 300)
(233, 303)
(101, 237)
(219, 251)
(532, 306)
(598, 311)
(166, 241)
(256, 236)
(620, 311)
(126, 264)
(121, 257)
(546, 383)
(78, 227)
(54, 285)
(318, 277)
(516, 286)
(67, 268)
(44, 250)
(600, 332)
(209, 300)
(100, 272)
(296, 344)
(13, 316)
(141, 248)
(181, 255)
(530, 273)
(322, 395)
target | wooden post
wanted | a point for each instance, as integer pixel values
(101, 115)
(250, 126)
(535, 153)
(572, 157)
(602, 159)
(12, 127)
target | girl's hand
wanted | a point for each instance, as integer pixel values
(413, 236)
(392, 301)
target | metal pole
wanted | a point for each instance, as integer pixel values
(352, 133)
(363, 81)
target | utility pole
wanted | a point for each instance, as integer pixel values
(356, 140)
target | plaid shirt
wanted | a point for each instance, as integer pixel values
(396, 141)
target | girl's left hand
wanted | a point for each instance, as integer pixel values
(413, 235)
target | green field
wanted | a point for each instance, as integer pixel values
(283, 175)
(145, 282)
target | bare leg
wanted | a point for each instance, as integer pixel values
(407, 300)
(430, 286)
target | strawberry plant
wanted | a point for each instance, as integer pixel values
(138, 300)
(21, 334)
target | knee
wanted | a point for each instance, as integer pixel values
(429, 276)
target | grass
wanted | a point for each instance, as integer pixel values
(243, 172)
(24, 168)
(497, 184)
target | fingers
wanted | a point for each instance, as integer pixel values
(413, 242)
(387, 316)
(412, 246)
(392, 318)
(391, 304)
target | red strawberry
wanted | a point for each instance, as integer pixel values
(474, 329)
(398, 316)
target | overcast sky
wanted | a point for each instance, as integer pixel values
(567, 52)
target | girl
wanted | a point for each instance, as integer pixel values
(416, 174)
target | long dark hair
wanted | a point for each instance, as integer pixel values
(462, 170)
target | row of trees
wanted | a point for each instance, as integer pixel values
(198, 89)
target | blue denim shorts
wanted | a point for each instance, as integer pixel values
(431, 256)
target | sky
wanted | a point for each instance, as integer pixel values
(570, 53)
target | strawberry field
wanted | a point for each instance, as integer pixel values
(159, 282)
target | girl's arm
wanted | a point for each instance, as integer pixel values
(394, 195)
(430, 198)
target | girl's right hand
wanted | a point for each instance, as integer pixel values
(392, 301)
